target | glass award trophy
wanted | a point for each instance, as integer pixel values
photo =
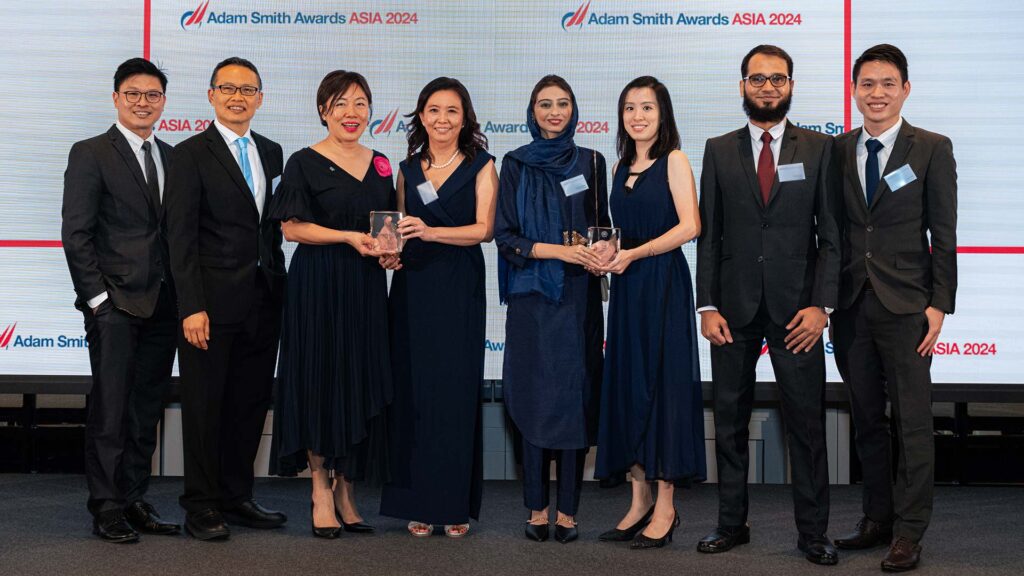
(604, 242)
(384, 231)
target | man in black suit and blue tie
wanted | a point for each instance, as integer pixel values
(114, 238)
(229, 270)
(897, 284)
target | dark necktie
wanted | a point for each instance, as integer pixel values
(152, 180)
(766, 167)
(871, 170)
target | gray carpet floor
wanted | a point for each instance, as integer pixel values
(45, 529)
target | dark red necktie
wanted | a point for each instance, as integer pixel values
(766, 167)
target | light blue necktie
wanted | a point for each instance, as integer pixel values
(871, 170)
(243, 161)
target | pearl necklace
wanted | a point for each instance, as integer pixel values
(446, 164)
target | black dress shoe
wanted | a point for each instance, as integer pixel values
(867, 535)
(111, 526)
(903, 555)
(537, 532)
(616, 535)
(206, 525)
(643, 542)
(818, 549)
(723, 539)
(566, 534)
(144, 518)
(330, 532)
(251, 515)
(355, 527)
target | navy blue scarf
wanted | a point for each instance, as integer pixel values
(546, 162)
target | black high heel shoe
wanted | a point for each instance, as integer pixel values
(355, 527)
(330, 533)
(537, 532)
(616, 535)
(644, 542)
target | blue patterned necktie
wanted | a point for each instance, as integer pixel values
(871, 170)
(243, 162)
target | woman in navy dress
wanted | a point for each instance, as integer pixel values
(447, 188)
(551, 191)
(334, 381)
(652, 414)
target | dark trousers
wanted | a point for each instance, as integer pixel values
(876, 352)
(801, 381)
(131, 360)
(225, 393)
(537, 477)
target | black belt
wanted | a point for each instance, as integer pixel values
(631, 243)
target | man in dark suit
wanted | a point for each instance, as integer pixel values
(229, 271)
(768, 269)
(899, 187)
(114, 240)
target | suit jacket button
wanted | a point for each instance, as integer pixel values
(868, 255)
(518, 251)
(764, 224)
(760, 258)
(871, 228)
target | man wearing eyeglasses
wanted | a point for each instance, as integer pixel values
(114, 238)
(768, 269)
(229, 270)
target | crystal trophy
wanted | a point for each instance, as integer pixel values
(604, 242)
(384, 231)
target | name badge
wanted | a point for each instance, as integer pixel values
(574, 185)
(791, 172)
(900, 178)
(427, 192)
(274, 183)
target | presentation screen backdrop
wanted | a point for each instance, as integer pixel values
(59, 58)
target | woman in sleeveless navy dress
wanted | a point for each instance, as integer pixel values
(334, 378)
(447, 189)
(652, 421)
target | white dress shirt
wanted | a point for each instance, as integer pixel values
(135, 143)
(888, 140)
(260, 193)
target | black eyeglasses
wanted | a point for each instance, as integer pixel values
(231, 89)
(133, 96)
(758, 80)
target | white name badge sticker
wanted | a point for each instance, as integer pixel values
(427, 192)
(900, 178)
(791, 172)
(274, 183)
(574, 185)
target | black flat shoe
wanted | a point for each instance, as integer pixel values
(818, 549)
(329, 533)
(206, 525)
(536, 532)
(566, 534)
(723, 539)
(355, 527)
(646, 542)
(111, 526)
(144, 518)
(616, 535)
(251, 515)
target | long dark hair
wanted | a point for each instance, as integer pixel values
(668, 134)
(471, 139)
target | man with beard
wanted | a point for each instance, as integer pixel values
(768, 269)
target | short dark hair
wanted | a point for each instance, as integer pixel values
(471, 139)
(133, 66)
(333, 86)
(235, 61)
(883, 53)
(668, 134)
(551, 80)
(767, 50)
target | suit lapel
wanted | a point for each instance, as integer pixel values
(125, 150)
(786, 155)
(900, 148)
(746, 153)
(263, 149)
(852, 175)
(219, 148)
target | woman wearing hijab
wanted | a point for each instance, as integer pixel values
(550, 192)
